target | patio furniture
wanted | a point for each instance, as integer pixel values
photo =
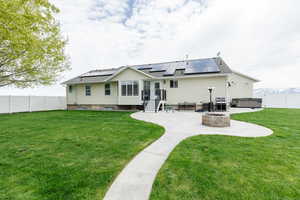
(220, 104)
(246, 103)
(169, 108)
(187, 106)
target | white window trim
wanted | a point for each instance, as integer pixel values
(107, 89)
(126, 88)
(85, 90)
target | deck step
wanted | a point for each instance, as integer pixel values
(150, 107)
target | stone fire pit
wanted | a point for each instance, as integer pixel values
(216, 119)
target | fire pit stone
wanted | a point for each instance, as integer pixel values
(214, 119)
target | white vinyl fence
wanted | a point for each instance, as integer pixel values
(12, 104)
(281, 100)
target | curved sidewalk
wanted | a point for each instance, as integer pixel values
(136, 179)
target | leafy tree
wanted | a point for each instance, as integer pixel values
(32, 50)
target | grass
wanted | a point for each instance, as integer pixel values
(234, 168)
(64, 155)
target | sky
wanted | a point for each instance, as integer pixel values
(260, 38)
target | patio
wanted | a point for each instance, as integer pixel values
(136, 179)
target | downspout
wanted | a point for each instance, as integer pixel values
(118, 93)
(75, 95)
(67, 96)
(226, 93)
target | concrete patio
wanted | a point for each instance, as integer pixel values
(136, 179)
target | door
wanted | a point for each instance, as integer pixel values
(147, 90)
(157, 90)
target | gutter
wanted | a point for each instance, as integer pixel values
(190, 76)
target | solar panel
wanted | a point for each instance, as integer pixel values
(167, 69)
(173, 67)
(190, 67)
(99, 73)
(143, 67)
(158, 68)
(202, 66)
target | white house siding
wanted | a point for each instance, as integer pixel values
(195, 90)
(241, 86)
(97, 94)
(130, 75)
(71, 96)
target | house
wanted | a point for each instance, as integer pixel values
(156, 85)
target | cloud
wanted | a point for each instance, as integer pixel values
(259, 38)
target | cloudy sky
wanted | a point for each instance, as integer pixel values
(260, 38)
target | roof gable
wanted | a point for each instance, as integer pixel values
(128, 73)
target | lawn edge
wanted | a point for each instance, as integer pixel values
(164, 131)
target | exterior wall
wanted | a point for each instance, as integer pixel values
(241, 87)
(195, 90)
(71, 97)
(191, 90)
(91, 107)
(130, 75)
(97, 94)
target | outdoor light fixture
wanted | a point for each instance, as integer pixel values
(210, 90)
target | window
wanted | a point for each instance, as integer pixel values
(173, 84)
(157, 85)
(135, 88)
(123, 89)
(157, 89)
(87, 90)
(107, 89)
(130, 88)
(70, 88)
(146, 92)
(146, 85)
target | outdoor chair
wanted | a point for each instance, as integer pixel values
(169, 108)
(220, 104)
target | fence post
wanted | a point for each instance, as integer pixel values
(29, 103)
(9, 104)
(45, 103)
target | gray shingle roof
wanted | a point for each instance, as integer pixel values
(165, 69)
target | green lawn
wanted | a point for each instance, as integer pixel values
(67, 154)
(235, 168)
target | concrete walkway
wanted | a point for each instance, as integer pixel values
(136, 179)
